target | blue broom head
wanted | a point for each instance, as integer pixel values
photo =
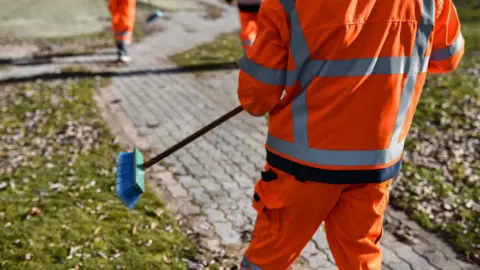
(154, 16)
(130, 177)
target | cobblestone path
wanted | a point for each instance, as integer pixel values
(214, 176)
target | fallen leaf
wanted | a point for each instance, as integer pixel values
(97, 230)
(166, 259)
(153, 225)
(35, 211)
(102, 255)
(159, 212)
(3, 185)
(135, 227)
(73, 250)
(28, 257)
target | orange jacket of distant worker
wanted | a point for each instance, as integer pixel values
(123, 19)
(341, 81)
(248, 13)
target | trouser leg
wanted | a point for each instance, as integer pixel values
(354, 226)
(289, 214)
(123, 19)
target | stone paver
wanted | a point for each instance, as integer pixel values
(214, 176)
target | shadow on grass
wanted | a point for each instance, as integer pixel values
(108, 74)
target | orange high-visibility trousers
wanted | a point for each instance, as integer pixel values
(248, 29)
(291, 211)
(123, 18)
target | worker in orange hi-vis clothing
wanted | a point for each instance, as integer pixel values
(248, 13)
(123, 20)
(341, 81)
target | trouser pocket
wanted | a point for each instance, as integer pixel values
(268, 219)
(268, 204)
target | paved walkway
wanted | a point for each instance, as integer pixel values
(214, 176)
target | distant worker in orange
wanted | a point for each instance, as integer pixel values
(341, 81)
(123, 20)
(248, 13)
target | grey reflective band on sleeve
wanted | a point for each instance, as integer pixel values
(448, 52)
(246, 264)
(123, 33)
(332, 68)
(247, 42)
(266, 75)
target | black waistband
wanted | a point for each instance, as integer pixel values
(307, 173)
(249, 8)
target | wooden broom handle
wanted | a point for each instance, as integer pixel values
(192, 137)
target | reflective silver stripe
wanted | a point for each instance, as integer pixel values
(445, 53)
(335, 157)
(333, 68)
(246, 263)
(425, 28)
(308, 69)
(123, 33)
(266, 75)
(247, 42)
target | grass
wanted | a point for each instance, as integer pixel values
(448, 110)
(58, 208)
(226, 49)
(212, 12)
(443, 198)
(88, 43)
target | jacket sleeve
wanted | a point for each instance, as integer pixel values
(263, 69)
(448, 42)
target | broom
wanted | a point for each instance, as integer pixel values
(131, 167)
(153, 17)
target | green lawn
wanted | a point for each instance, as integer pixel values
(58, 208)
(441, 187)
(226, 49)
(88, 43)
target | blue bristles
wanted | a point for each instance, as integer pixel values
(126, 190)
(154, 16)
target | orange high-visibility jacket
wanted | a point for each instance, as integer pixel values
(248, 13)
(352, 73)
